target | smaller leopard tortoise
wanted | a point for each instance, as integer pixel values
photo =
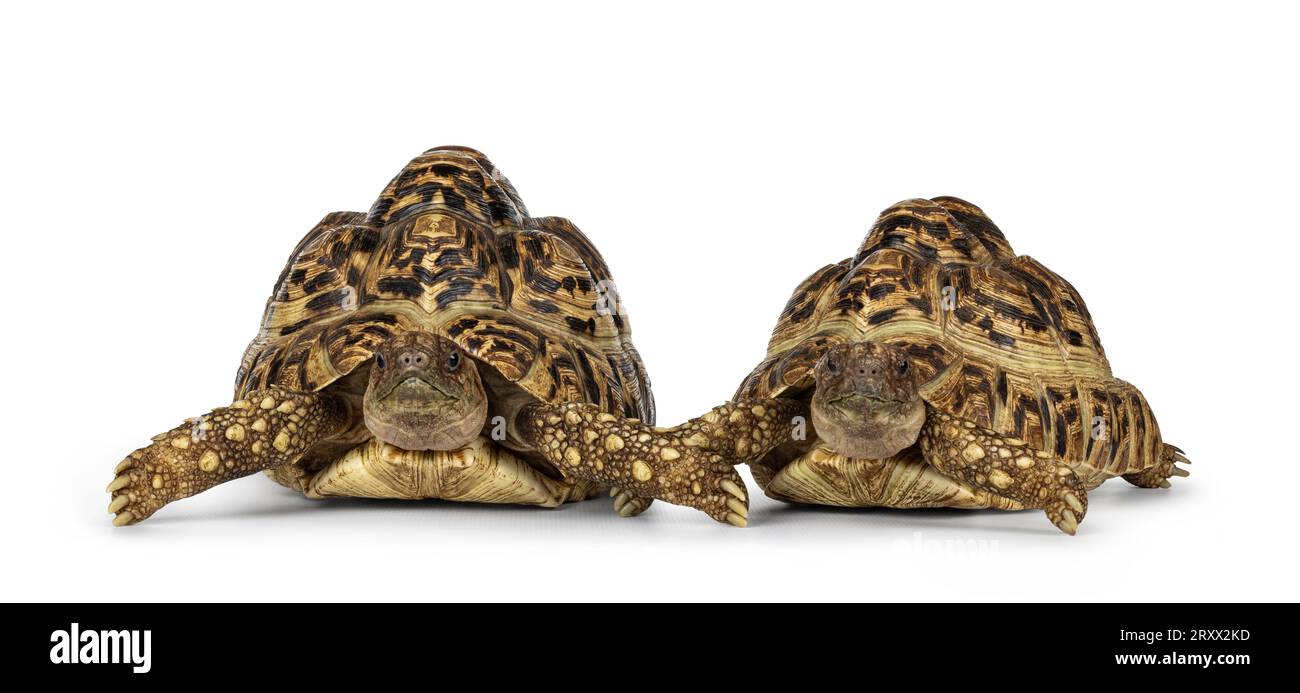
(444, 345)
(941, 369)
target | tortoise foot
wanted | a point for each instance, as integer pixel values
(628, 505)
(1158, 476)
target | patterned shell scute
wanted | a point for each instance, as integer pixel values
(994, 337)
(449, 248)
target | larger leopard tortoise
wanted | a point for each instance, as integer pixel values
(943, 370)
(444, 345)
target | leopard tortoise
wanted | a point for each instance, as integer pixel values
(444, 345)
(941, 369)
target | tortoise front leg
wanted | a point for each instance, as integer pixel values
(266, 429)
(691, 464)
(737, 434)
(1004, 466)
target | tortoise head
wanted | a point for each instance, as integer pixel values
(866, 403)
(424, 394)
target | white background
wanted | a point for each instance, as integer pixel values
(160, 162)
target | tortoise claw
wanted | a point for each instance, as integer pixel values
(734, 489)
(738, 508)
(1068, 523)
(628, 505)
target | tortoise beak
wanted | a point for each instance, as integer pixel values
(418, 391)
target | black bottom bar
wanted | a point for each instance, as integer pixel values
(956, 645)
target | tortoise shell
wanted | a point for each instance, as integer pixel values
(996, 338)
(449, 248)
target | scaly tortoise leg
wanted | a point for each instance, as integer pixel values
(742, 431)
(691, 464)
(1004, 466)
(746, 430)
(583, 442)
(266, 429)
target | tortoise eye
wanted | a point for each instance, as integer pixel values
(832, 366)
(902, 367)
(453, 360)
(379, 361)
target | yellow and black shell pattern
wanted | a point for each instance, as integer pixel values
(996, 338)
(449, 248)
